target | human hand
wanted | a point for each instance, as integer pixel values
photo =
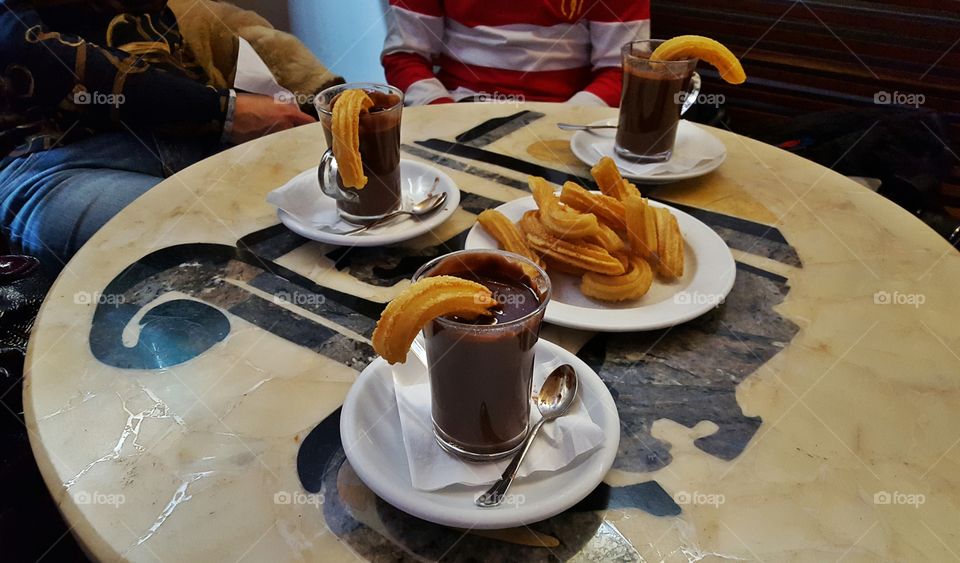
(255, 116)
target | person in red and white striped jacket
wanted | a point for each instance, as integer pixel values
(540, 50)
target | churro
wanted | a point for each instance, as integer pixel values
(572, 254)
(641, 227)
(422, 302)
(606, 238)
(562, 221)
(669, 245)
(685, 47)
(633, 284)
(609, 210)
(345, 130)
(627, 189)
(507, 234)
(607, 176)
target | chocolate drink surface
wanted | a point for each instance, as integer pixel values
(649, 111)
(481, 371)
(380, 154)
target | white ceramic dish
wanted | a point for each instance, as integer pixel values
(689, 138)
(417, 180)
(370, 432)
(709, 273)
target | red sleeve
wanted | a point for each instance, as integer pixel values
(606, 84)
(619, 11)
(403, 69)
(415, 31)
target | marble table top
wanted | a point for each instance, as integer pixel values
(185, 374)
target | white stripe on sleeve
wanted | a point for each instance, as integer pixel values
(410, 32)
(607, 38)
(520, 47)
(584, 98)
(423, 92)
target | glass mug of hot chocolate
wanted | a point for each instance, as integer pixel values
(655, 95)
(481, 371)
(379, 152)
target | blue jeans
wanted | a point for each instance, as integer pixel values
(52, 202)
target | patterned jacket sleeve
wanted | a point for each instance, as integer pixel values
(47, 70)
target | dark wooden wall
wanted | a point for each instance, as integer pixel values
(809, 56)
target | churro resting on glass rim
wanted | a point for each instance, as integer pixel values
(346, 136)
(422, 302)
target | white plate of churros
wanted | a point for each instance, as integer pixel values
(617, 261)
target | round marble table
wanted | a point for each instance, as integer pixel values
(186, 371)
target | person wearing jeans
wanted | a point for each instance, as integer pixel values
(100, 101)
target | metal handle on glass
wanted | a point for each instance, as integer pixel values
(327, 174)
(495, 494)
(692, 94)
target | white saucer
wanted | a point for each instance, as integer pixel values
(689, 138)
(417, 180)
(370, 432)
(708, 275)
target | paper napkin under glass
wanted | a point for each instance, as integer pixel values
(689, 151)
(302, 198)
(557, 444)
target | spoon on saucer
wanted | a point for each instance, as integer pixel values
(554, 400)
(421, 209)
(573, 127)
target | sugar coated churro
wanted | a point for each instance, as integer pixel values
(633, 284)
(669, 245)
(698, 47)
(577, 255)
(609, 210)
(641, 227)
(616, 242)
(507, 234)
(422, 302)
(562, 221)
(345, 130)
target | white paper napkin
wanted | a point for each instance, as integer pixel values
(254, 76)
(557, 444)
(689, 151)
(302, 198)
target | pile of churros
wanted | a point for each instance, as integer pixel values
(345, 130)
(615, 240)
